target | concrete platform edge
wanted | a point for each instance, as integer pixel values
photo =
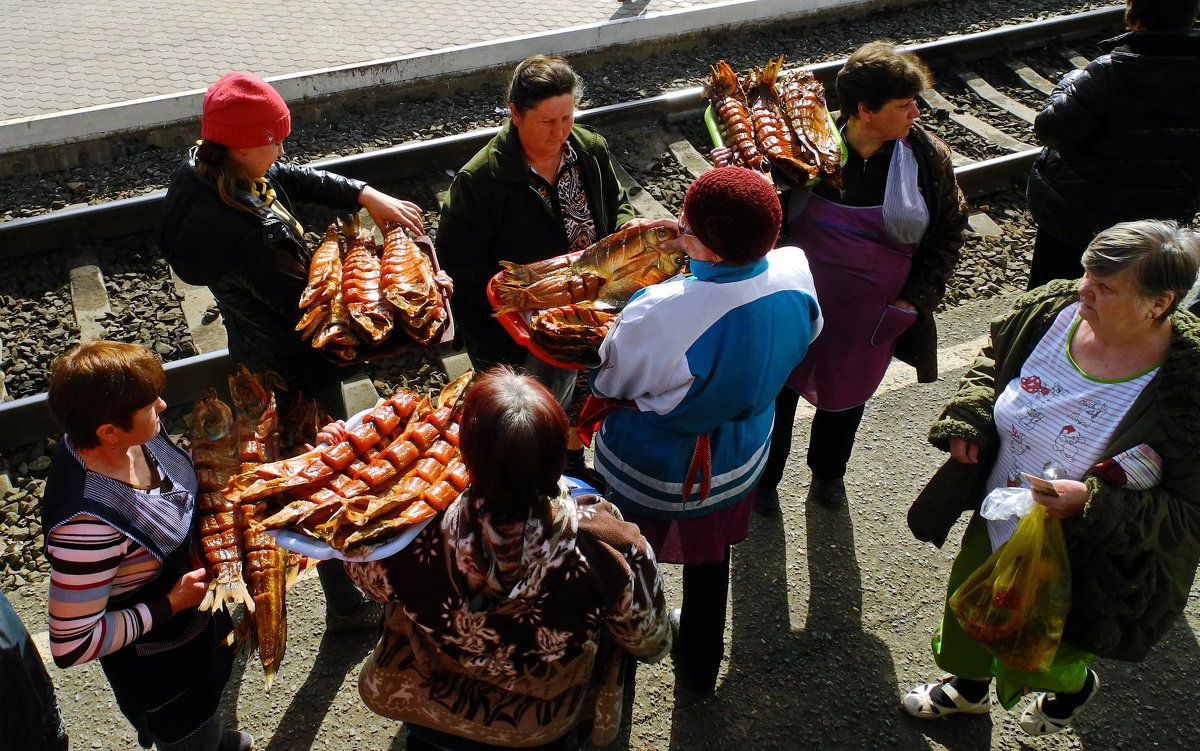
(114, 119)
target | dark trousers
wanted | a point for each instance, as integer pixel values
(702, 623)
(1053, 259)
(830, 441)
(341, 596)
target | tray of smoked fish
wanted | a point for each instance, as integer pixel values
(298, 542)
(387, 302)
(313, 548)
(517, 324)
(561, 308)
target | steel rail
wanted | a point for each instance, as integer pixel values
(129, 215)
(29, 418)
(26, 419)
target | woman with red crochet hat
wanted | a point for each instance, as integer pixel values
(697, 361)
(228, 224)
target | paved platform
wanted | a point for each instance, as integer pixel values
(71, 54)
(85, 68)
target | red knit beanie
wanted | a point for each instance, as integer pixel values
(735, 212)
(242, 111)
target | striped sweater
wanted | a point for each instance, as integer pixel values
(90, 562)
(105, 540)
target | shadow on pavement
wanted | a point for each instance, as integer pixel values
(828, 685)
(298, 726)
(1150, 704)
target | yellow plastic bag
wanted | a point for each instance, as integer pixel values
(1016, 603)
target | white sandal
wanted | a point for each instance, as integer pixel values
(918, 703)
(1035, 721)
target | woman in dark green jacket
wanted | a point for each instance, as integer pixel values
(541, 188)
(1098, 378)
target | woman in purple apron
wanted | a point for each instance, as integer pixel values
(881, 248)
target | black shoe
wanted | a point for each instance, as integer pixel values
(828, 493)
(766, 500)
(699, 682)
(366, 616)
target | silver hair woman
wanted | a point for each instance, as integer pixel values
(1099, 380)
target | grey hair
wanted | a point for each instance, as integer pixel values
(1162, 257)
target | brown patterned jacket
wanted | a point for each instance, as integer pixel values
(514, 635)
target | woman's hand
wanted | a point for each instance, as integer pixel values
(721, 156)
(188, 591)
(1072, 495)
(334, 432)
(964, 451)
(384, 208)
(443, 280)
(903, 304)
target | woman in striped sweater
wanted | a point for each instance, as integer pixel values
(120, 518)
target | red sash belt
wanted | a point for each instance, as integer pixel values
(596, 408)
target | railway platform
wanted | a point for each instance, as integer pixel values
(83, 70)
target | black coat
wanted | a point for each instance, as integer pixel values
(1122, 138)
(493, 214)
(255, 264)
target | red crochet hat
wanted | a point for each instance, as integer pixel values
(241, 111)
(735, 212)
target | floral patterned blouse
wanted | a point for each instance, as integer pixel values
(513, 634)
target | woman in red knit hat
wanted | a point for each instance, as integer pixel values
(700, 359)
(228, 224)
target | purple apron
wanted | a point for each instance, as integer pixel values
(859, 269)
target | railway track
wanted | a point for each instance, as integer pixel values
(989, 87)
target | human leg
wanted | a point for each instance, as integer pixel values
(702, 625)
(346, 608)
(969, 666)
(766, 494)
(781, 437)
(207, 737)
(830, 443)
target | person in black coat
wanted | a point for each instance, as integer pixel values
(29, 716)
(1121, 138)
(228, 225)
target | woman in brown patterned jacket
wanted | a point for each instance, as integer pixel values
(510, 619)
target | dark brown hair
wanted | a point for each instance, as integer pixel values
(514, 443)
(213, 161)
(875, 74)
(100, 383)
(1161, 15)
(541, 77)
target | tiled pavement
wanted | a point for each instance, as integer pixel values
(58, 55)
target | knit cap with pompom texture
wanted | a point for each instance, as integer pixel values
(735, 212)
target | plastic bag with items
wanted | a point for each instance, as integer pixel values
(1016, 603)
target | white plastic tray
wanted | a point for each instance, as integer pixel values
(297, 542)
(314, 548)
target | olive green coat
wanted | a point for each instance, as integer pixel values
(1133, 552)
